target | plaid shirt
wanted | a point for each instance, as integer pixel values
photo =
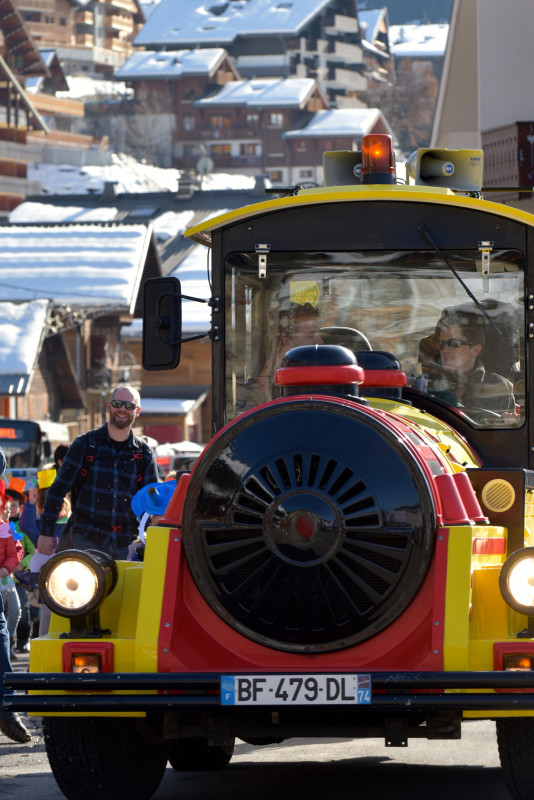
(103, 501)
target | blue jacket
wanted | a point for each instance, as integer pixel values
(31, 526)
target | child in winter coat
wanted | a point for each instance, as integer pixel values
(10, 555)
(10, 723)
(16, 498)
(30, 524)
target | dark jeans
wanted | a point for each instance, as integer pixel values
(5, 662)
(72, 540)
(24, 626)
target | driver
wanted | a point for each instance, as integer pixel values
(299, 325)
(459, 373)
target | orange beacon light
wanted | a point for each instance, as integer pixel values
(378, 158)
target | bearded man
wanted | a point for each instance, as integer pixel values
(102, 470)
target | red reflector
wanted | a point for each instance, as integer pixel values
(87, 657)
(305, 527)
(378, 157)
(517, 662)
(86, 662)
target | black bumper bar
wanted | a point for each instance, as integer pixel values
(412, 691)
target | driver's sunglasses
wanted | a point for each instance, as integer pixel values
(453, 343)
(129, 406)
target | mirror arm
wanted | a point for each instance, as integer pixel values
(213, 333)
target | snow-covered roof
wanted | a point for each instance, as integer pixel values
(83, 87)
(148, 7)
(47, 56)
(370, 22)
(176, 64)
(221, 21)
(275, 92)
(34, 84)
(39, 212)
(82, 265)
(340, 122)
(21, 331)
(125, 172)
(418, 41)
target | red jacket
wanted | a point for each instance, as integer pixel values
(9, 555)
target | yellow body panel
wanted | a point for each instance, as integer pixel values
(132, 612)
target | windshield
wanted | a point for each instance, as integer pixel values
(456, 328)
(19, 441)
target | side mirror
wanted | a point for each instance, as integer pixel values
(162, 323)
(47, 449)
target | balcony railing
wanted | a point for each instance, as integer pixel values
(84, 17)
(345, 53)
(86, 39)
(220, 162)
(119, 23)
(221, 134)
(340, 24)
(345, 79)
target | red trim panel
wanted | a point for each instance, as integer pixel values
(489, 546)
(384, 378)
(317, 375)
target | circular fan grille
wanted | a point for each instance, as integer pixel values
(307, 527)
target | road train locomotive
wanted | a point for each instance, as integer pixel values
(352, 554)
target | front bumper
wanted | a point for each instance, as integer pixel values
(151, 692)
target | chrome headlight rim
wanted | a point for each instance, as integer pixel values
(103, 567)
(505, 579)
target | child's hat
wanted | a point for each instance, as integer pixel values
(45, 478)
(15, 489)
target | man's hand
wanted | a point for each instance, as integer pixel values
(45, 545)
(4, 572)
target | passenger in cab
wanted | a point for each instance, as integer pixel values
(461, 372)
(299, 325)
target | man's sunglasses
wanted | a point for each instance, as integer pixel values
(453, 343)
(126, 403)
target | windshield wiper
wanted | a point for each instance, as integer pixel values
(424, 231)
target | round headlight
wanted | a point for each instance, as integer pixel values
(75, 582)
(517, 581)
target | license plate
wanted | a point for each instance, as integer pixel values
(268, 690)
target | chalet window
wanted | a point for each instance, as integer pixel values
(276, 120)
(189, 122)
(276, 175)
(217, 121)
(247, 149)
(302, 145)
(62, 21)
(253, 120)
(221, 150)
(306, 173)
